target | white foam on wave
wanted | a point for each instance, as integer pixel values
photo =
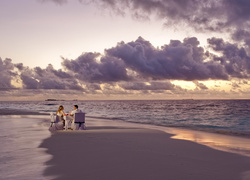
(20, 157)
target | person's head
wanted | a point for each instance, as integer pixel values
(60, 108)
(75, 106)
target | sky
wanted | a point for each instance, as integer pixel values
(124, 49)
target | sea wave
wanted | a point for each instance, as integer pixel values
(220, 116)
(20, 112)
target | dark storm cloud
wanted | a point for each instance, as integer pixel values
(93, 86)
(88, 68)
(145, 86)
(226, 16)
(48, 78)
(243, 35)
(234, 59)
(202, 14)
(29, 82)
(178, 60)
(174, 61)
(6, 74)
(130, 65)
(200, 85)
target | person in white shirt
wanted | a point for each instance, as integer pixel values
(76, 110)
(71, 115)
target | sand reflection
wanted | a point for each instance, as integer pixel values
(228, 143)
(239, 145)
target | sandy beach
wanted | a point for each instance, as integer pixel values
(113, 150)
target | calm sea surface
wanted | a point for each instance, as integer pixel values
(222, 116)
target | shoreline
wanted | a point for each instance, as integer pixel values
(120, 150)
(111, 149)
(20, 157)
(205, 130)
(10, 112)
(225, 142)
(244, 133)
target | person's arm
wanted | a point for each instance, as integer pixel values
(64, 113)
(72, 113)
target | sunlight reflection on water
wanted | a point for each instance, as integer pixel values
(238, 145)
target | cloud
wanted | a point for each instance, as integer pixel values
(200, 85)
(88, 68)
(147, 86)
(207, 15)
(60, 2)
(228, 17)
(225, 16)
(48, 78)
(235, 60)
(6, 74)
(210, 15)
(235, 85)
(135, 67)
(177, 60)
(138, 61)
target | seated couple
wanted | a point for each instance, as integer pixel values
(67, 119)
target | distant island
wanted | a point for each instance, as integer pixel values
(60, 100)
(54, 100)
(50, 100)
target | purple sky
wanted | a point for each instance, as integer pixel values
(124, 49)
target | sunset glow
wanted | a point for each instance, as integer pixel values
(124, 49)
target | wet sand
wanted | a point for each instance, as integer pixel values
(115, 150)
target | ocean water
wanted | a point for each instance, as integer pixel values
(20, 157)
(220, 116)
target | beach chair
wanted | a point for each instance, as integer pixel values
(79, 121)
(55, 123)
(68, 122)
(52, 119)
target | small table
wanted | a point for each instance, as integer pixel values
(68, 121)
